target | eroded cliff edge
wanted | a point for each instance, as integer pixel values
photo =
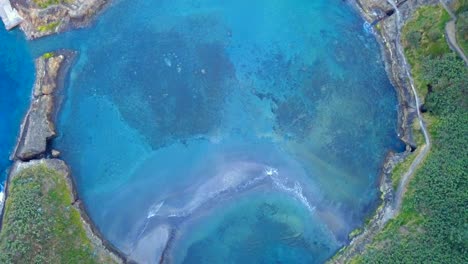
(387, 31)
(33, 154)
(38, 126)
(46, 17)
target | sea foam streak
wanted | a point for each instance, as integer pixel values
(154, 209)
(240, 178)
(296, 191)
(234, 179)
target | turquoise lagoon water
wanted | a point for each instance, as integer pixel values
(208, 131)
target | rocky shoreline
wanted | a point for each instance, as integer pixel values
(101, 246)
(38, 126)
(45, 19)
(387, 36)
(38, 129)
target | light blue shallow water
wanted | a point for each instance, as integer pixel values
(203, 131)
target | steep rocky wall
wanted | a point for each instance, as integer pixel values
(38, 128)
(38, 125)
(47, 19)
(388, 35)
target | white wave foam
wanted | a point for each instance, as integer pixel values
(152, 212)
(368, 28)
(271, 171)
(2, 197)
(296, 190)
(154, 209)
(234, 180)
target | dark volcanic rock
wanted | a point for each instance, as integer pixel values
(37, 129)
(38, 126)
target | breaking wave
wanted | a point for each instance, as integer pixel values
(296, 191)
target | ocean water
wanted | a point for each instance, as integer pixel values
(215, 131)
(16, 80)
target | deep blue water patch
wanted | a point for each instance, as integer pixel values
(207, 131)
(16, 80)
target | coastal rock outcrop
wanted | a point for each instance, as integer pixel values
(373, 10)
(37, 129)
(388, 35)
(32, 147)
(58, 168)
(42, 18)
(38, 126)
(48, 66)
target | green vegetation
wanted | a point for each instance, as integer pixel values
(48, 27)
(462, 30)
(461, 10)
(401, 168)
(356, 232)
(40, 224)
(425, 36)
(47, 3)
(48, 55)
(432, 225)
(459, 5)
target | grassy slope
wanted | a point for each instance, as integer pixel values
(40, 225)
(432, 226)
(47, 3)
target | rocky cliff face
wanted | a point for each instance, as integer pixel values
(58, 171)
(38, 126)
(388, 35)
(372, 10)
(42, 18)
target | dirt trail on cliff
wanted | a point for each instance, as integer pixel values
(392, 208)
(425, 148)
(450, 33)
